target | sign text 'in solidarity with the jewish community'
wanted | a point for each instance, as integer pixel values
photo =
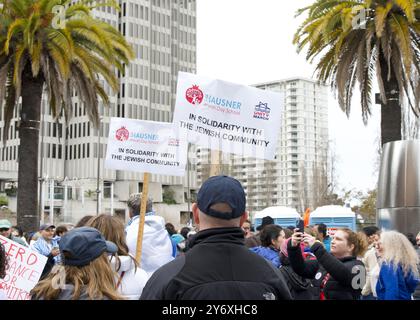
(229, 117)
(145, 146)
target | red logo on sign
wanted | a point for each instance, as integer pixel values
(122, 134)
(194, 95)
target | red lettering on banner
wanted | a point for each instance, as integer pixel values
(33, 274)
(19, 253)
(11, 248)
(34, 258)
(13, 281)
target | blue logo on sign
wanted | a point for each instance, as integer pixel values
(262, 111)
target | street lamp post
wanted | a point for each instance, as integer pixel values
(41, 169)
(98, 191)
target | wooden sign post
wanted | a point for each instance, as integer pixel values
(215, 163)
(144, 195)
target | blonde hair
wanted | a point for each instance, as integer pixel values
(397, 250)
(358, 240)
(97, 277)
(112, 228)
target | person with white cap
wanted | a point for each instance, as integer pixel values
(86, 273)
(157, 248)
(218, 266)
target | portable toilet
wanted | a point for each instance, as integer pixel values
(334, 217)
(283, 216)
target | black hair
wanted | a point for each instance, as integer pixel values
(170, 228)
(60, 230)
(412, 239)
(19, 230)
(268, 233)
(322, 229)
(3, 261)
(184, 232)
(370, 230)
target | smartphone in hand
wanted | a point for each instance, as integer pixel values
(300, 225)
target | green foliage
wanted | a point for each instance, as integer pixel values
(11, 192)
(69, 58)
(368, 206)
(4, 201)
(90, 193)
(168, 196)
(349, 52)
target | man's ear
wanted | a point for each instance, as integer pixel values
(195, 212)
(243, 218)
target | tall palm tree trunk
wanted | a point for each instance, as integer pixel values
(27, 194)
(391, 111)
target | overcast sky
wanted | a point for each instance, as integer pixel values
(249, 42)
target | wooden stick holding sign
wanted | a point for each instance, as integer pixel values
(144, 195)
(215, 163)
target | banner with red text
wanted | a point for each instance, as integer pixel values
(230, 117)
(23, 272)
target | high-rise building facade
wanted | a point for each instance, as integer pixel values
(298, 175)
(163, 36)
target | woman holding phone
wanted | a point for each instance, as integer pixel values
(341, 275)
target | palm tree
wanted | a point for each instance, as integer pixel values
(386, 45)
(35, 55)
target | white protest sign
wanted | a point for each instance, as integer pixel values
(224, 116)
(145, 146)
(23, 272)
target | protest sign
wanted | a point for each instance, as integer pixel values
(23, 272)
(145, 146)
(224, 116)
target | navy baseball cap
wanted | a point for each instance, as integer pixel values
(83, 245)
(222, 189)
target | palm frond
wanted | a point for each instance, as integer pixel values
(407, 6)
(381, 13)
(16, 26)
(401, 33)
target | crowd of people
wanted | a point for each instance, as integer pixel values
(221, 258)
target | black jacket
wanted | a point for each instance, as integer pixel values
(48, 267)
(300, 287)
(305, 269)
(217, 267)
(345, 273)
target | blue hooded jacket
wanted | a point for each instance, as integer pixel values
(393, 285)
(269, 254)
